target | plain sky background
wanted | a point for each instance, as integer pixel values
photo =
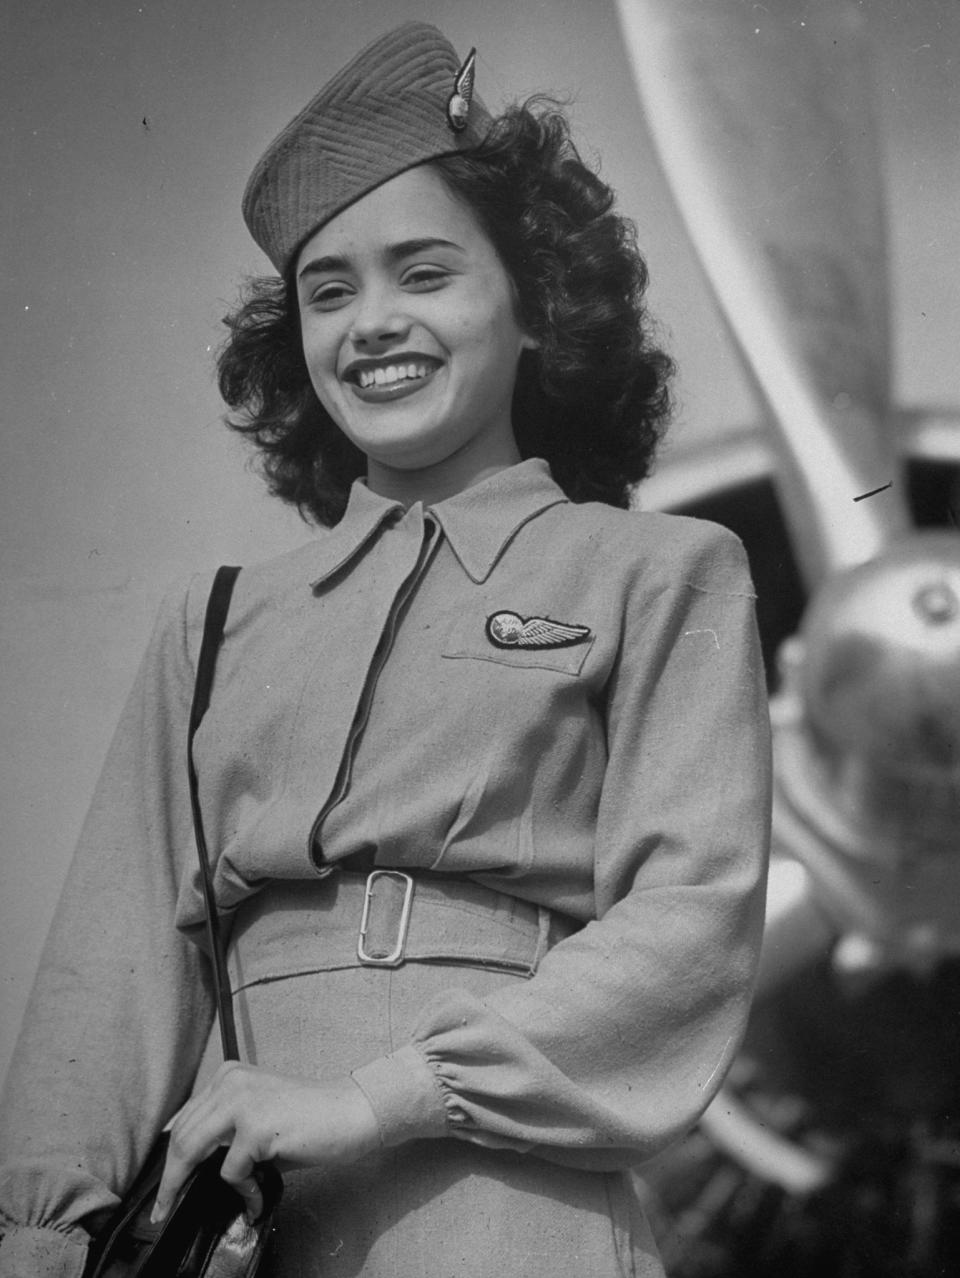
(126, 134)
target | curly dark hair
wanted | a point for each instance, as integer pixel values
(592, 399)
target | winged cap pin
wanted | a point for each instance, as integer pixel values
(509, 630)
(458, 106)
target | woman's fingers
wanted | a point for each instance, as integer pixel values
(238, 1171)
(201, 1127)
(180, 1162)
(258, 1115)
(249, 1190)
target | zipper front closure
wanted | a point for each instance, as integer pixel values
(431, 540)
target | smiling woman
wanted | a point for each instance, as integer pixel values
(412, 340)
(485, 770)
(591, 393)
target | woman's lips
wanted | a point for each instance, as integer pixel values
(392, 380)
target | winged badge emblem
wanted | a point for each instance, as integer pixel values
(509, 630)
(458, 106)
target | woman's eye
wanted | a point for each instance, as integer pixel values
(425, 278)
(328, 297)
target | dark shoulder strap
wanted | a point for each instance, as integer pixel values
(214, 621)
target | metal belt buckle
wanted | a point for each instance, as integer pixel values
(395, 957)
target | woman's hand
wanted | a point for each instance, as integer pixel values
(259, 1116)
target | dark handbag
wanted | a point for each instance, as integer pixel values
(206, 1234)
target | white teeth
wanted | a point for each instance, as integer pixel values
(386, 376)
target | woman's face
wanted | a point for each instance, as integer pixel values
(410, 333)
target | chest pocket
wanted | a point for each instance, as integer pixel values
(530, 640)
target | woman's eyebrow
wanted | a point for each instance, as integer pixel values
(322, 266)
(393, 252)
(406, 248)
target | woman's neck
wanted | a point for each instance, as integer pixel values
(434, 484)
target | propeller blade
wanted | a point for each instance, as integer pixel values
(762, 116)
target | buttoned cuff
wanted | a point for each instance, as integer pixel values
(29, 1252)
(405, 1096)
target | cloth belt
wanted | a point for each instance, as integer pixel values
(294, 926)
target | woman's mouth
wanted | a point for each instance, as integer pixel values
(390, 380)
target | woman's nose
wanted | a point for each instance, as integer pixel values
(379, 320)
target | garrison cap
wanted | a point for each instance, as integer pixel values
(404, 100)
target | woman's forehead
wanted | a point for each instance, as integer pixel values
(415, 205)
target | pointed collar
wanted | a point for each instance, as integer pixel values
(478, 522)
(481, 521)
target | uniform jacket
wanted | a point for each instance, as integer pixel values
(362, 705)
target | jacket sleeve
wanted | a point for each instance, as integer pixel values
(121, 1009)
(624, 1034)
